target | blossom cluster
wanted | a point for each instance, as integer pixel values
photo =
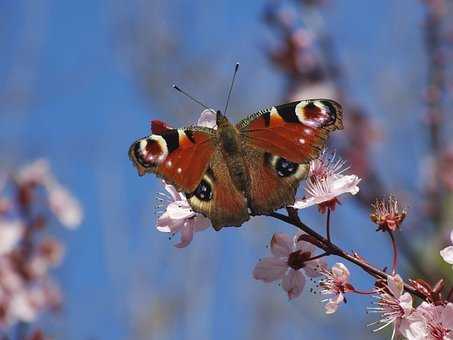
(29, 199)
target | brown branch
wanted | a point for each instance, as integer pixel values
(333, 249)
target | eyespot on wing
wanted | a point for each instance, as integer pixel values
(147, 153)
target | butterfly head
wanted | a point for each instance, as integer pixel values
(221, 120)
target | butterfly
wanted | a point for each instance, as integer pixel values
(234, 171)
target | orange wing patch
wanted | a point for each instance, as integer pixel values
(179, 156)
(296, 131)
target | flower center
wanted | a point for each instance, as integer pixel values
(297, 259)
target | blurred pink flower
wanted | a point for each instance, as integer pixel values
(447, 252)
(48, 255)
(65, 206)
(26, 255)
(62, 204)
(179, 217)
(289, 257)
(11, 231)
(336, 282)
(429, 322)
(326, 181)
(392, 303)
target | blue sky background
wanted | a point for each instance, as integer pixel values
(83, 105)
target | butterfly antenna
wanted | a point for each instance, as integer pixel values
(177, 88)
(236, 68)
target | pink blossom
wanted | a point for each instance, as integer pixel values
(179, 217)
(447, 252)
(326, 181)
(392, 303)
(289, 257)
(429, 322)
(336, 282)
(11, 231)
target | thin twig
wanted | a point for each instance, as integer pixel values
(395, 253)
(328, 225)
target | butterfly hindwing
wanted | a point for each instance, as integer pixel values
(273, 180)
(296, 131)
(217, 198)
(179, 156)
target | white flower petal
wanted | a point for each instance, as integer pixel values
(395, 284)
(304, 246)
(332, 305)
(413, 328)
(406, 302)
(175, 195)
(186, 236)
(346, 184)
(293, 283)
(306, 202)
(281, 245)
(340, 272)
(179, 210)
(447, 254)
(314, 268)
(323, 190)
(208, 119)
(270, 269)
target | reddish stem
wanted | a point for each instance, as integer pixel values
(395, 253)
(362, 292)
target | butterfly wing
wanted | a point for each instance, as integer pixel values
(278, 144)
(273, 180)
(179, 156)
(217, 198)
(296, 131)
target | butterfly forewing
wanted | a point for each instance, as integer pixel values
(296, 131)
(179, 156)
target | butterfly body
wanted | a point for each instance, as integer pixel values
(229, 141)
(234, 171)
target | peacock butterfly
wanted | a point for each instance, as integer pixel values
(235, 171)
